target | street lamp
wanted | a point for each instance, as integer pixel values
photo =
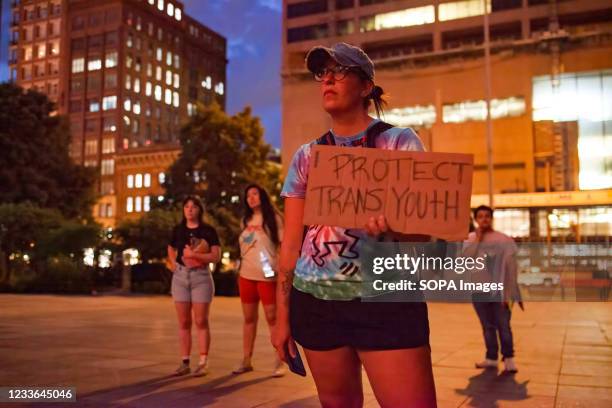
(488, 102)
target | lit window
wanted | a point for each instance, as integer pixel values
(148, 89)
(158, 93)
(138, 183)
(109, 124)
(176, 80)
(41, 51)
(462, 9)
(127, 104)
(168, 97)
(111, 59)
(161, 178)
(177, 61)
(584, 97)
(219, 88)
(160, 5)
(130, 181)
(108, 167)
(94, 64)
(168, 77)
(168, 58)
(477, 110)
(207, 83)
(94, 106)
(159, 54)
(78, 65)
(138, 204)
(147, 203)
(158, 73)
(128, 82)
(402, 18)
(175, 99)
(178, 14)
(411, 116)
(147, 180)
(136, 108)
(109, 102)
(191, 109)
(170, 9)
(137, 85)
(108, 145)
(152, 2)
(129, 204)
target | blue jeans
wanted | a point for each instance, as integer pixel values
(495, 318)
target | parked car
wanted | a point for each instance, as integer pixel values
(534, 277)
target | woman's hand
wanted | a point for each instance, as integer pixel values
(191, 259)
(376, 226)
(281, 336)
(188, 252)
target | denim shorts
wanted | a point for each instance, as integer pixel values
(192, 285)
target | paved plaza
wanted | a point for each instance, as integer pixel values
(118, 351)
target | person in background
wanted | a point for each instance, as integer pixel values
(494, 308)
(262, 232)
(194, 245)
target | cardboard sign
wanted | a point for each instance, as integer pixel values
(418, 192)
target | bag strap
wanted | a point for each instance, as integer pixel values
(368, 140)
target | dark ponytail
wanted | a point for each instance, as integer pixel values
(377, 96)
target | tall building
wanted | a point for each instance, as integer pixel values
(128, 73)
(551, 96)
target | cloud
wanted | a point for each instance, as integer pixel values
(253, 32)
(274, 5)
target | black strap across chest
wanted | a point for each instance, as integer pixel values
(367, 140)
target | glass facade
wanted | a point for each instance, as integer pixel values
(586, 98)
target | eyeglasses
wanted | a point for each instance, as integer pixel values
(338, 72)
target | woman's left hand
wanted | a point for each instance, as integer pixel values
(376, 226)
(188, 252)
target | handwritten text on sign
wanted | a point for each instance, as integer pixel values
(418, 192)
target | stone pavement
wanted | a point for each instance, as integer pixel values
(118, 351)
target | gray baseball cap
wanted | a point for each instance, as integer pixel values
(344, 54)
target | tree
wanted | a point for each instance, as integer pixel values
(41, 233)
(221, 155)
(34, 162)
(149, 234)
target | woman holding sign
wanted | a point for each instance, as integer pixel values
(319, 290)
(193, 247)
(262, 232)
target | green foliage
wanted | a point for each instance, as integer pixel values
(221, 155)
(34, 156)
(41, 233)
(149, 234)
(62, 275)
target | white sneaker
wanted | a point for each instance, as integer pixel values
(243, 368)
(509, 365)
(279, 369)
(201, 370)
(487, 363)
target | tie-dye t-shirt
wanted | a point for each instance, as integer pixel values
(329, 266)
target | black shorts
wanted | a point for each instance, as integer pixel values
(322, 325)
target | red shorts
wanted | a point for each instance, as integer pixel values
(251, 291)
